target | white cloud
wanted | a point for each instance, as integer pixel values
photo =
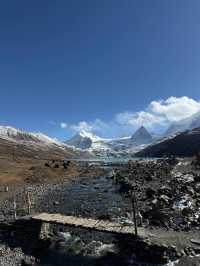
(83, 125)
(139, 118)
(157, 115)
(175, 109)
(160, 113)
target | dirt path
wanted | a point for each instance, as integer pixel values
(170, 237)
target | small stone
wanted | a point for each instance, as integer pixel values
(183, 252)
(154, 202)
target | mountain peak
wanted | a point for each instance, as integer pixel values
(141, 131)
(88, 134)
(81, 140)
(141, 136)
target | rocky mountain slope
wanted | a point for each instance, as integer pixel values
(183, 144)
(15, 142)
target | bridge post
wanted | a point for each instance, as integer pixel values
(133, 201)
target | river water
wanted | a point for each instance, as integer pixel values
(88, 197)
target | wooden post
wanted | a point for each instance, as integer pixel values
(133, 201)
(15, 209)
(28, 202)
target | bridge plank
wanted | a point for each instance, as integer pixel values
(99, 225)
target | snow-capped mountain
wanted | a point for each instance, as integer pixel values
(84, 143)
(34, 144)
(83, 140)
(88, 141)
(184, 124)
(17, 135)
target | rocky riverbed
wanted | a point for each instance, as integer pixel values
(167, 195)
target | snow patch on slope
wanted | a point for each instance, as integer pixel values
(17, 135)
(183, 125)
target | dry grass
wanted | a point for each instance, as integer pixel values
(22, 163)
(26, 170)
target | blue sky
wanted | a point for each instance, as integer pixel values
(100, 63)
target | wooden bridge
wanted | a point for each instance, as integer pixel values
(85, 223)
(157, 236)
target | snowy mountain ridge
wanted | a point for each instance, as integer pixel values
(13, 134)
(188, 123)
(89, 141)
